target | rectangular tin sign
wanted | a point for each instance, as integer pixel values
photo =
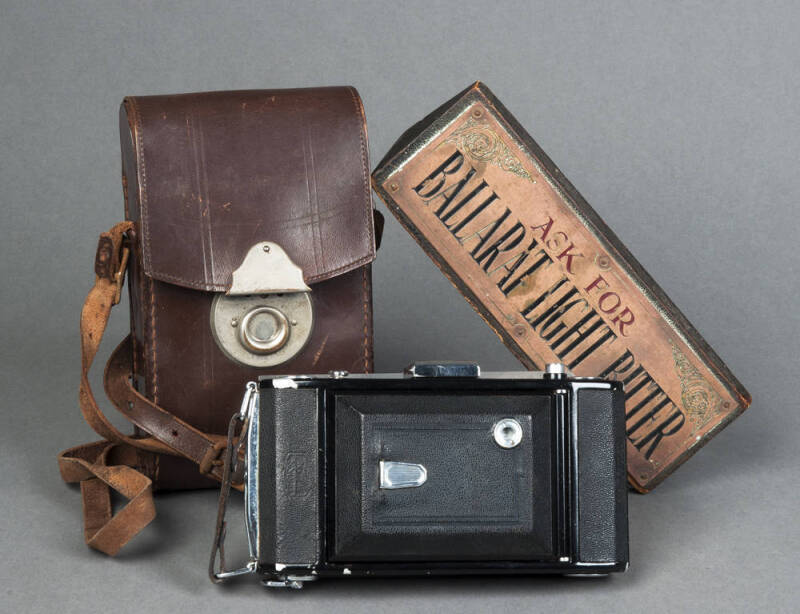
(552, 280)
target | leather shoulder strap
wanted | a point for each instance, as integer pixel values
(169, 434)
(110, 264)
(123, 463)
(100, 467)
(89, 463)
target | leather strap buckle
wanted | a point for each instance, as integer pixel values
(119, 275)
(211, 458)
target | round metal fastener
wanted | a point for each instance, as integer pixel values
(260, 329)
(507, 433)
(264, 330)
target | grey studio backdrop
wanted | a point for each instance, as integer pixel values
(678, 121)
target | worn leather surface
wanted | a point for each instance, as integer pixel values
(194, 380)
(223, 174)
(205, 177)
(220, 171)
(101, 467)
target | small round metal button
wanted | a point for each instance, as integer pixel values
(264, 330)
(555, 370)
(507, 433)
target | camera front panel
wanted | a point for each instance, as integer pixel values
(435, 476)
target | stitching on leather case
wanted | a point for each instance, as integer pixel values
(153, 340)
(188, 282)
(219, 287)
(366, 317)
(142, 303)
(134, 362)
(125, 190)
(136, 250)
(137, 368)
(139, 145)
(367, 213)
(362, 126)
(145, 241)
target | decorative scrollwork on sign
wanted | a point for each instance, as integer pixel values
(477, 141)
(699, 399)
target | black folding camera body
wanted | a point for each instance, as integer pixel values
(439, 470)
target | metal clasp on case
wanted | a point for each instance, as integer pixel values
(266, 317)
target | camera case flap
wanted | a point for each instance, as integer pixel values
(439, 470)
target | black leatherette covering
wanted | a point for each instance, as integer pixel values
(602, 502)
(289, 531)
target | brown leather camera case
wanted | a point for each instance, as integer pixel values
(206, 178)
